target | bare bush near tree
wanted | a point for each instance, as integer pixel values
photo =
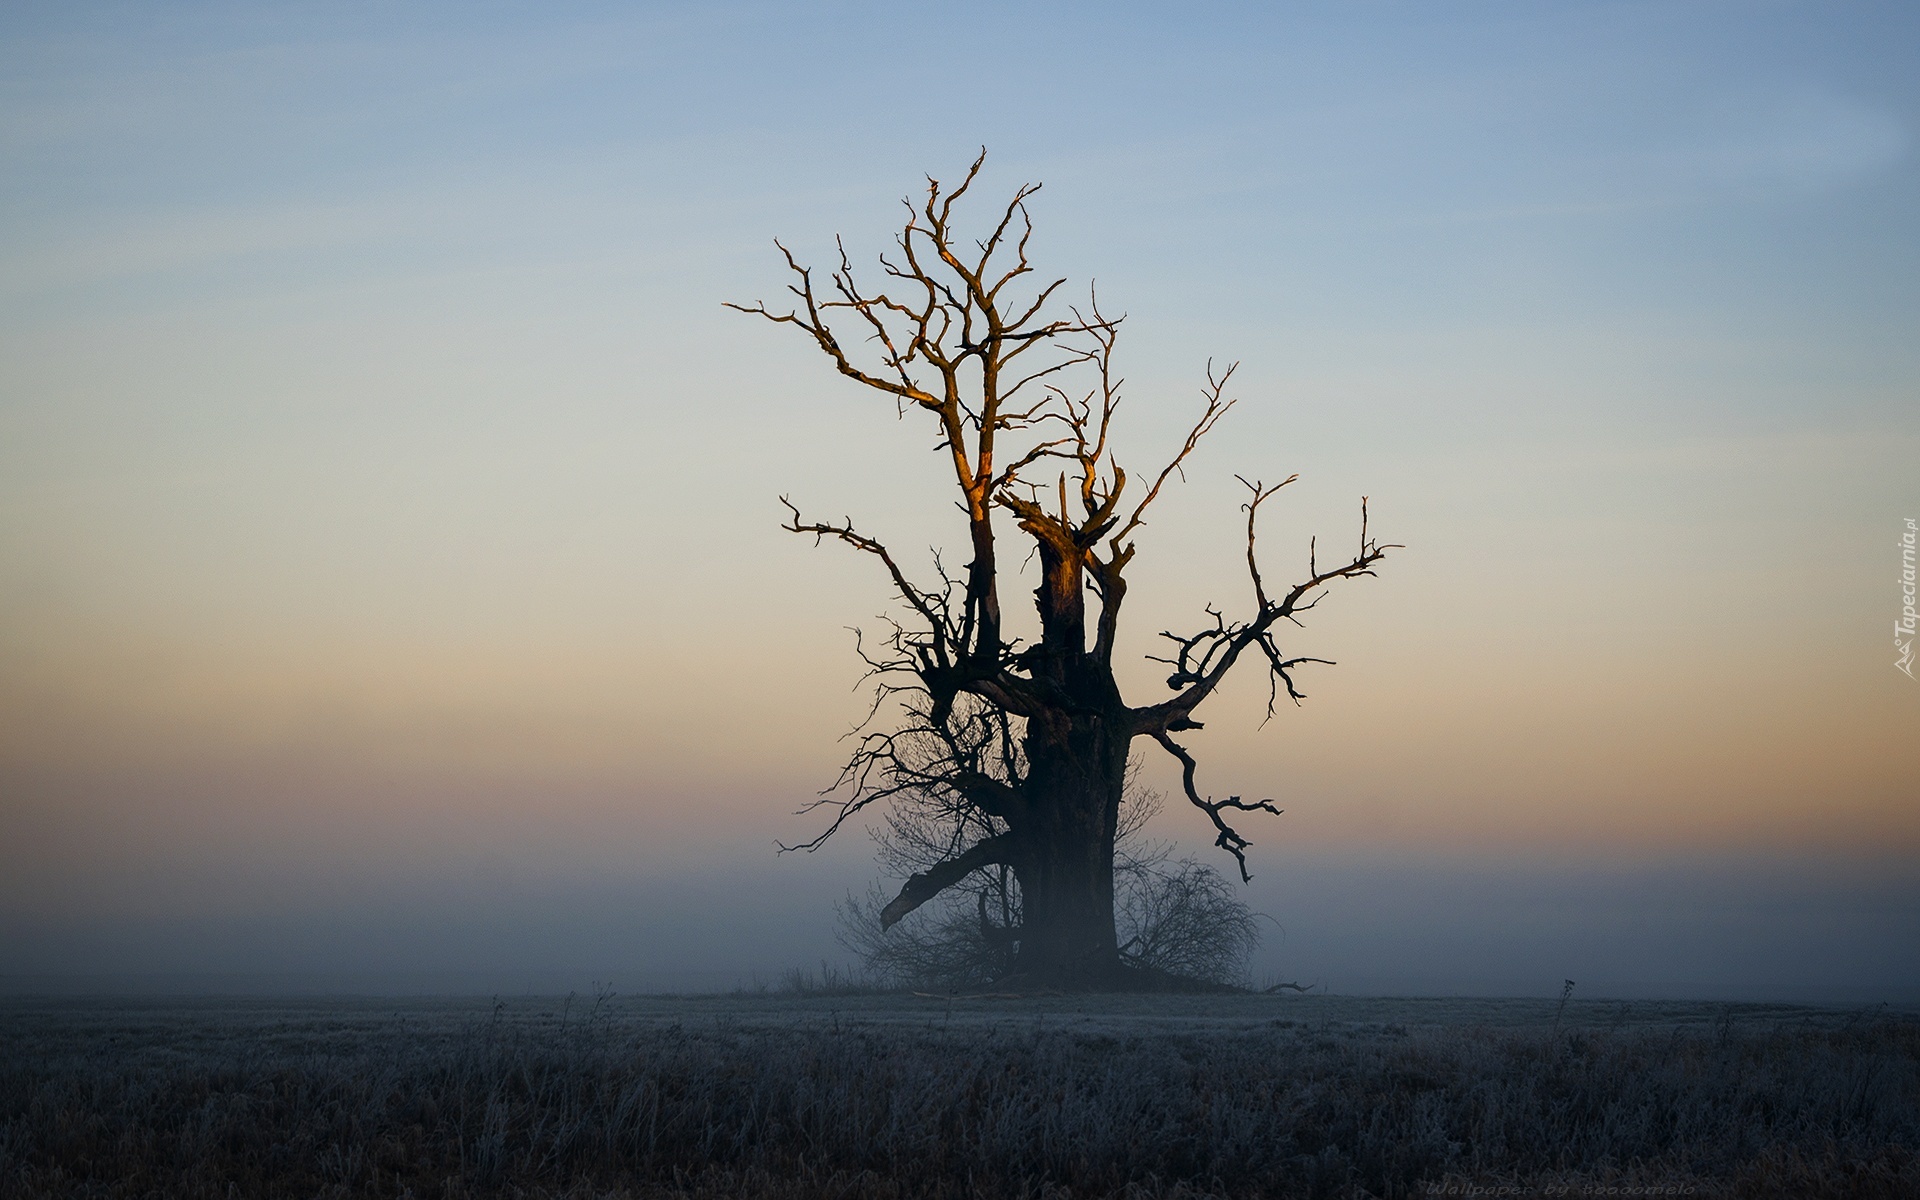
(1178, 920)
(1029, 739)
(1181, 920)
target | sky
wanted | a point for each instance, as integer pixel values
(391, 587)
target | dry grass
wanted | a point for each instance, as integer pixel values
(855, 1097)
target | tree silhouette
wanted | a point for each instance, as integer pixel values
(1025, 743)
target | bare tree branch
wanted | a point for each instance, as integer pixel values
(931, 882)
(1229, 839)
(1204, 658)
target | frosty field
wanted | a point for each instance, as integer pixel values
(900, 1095)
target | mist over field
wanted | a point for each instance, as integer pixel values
(392, 594)
(1731, 930)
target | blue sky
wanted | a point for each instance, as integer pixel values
(386, 497)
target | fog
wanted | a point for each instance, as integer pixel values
(1713, 928)
(392, 594)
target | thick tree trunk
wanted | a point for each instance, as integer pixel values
(1066, 893)
(1065, 856)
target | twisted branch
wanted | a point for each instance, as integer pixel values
(1229, 838)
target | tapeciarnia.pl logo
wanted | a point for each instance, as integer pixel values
(1903, 627)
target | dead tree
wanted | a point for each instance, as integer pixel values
(1030, 736)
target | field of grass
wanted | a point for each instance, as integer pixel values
(788, 1097)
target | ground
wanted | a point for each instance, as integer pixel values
(908, 1095)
